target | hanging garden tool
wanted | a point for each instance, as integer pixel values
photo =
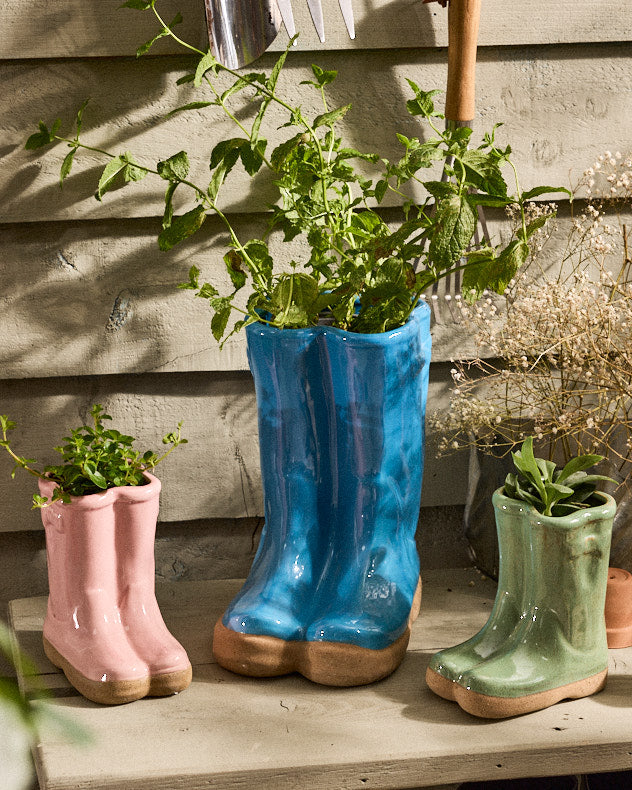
(463, 24)
(240, 31)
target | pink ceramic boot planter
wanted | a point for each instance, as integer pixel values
(136, 512)
(103, 627)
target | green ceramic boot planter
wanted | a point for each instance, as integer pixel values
(559, 651)
(512, 600)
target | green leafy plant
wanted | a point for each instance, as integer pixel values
(95, 458)
(363, 275)
(553, 491)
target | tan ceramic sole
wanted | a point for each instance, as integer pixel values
(108, 692)
(170, 683)
(328, 663)
(442, 687)
(488, 707)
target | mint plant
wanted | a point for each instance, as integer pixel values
(95, 458)
(361, 274)
(553, 491)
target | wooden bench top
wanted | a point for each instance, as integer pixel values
(227, 731)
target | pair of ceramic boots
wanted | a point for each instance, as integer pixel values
(103, 626)
(335, 583)
(545, 639)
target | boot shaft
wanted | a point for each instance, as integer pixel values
(97, 544)
(567, 572)
(341, 416)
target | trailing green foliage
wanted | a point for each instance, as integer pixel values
(553, 491)
(366, 277)
(95, 458)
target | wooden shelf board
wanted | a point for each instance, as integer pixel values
(226, 731)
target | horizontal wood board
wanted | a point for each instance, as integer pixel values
(93, 298)
(561, 106)
(72, 28)
(234, 732)
(215, 475)
(90, 298)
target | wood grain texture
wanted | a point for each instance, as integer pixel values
(215, 475)
(97, 298)
(560, 106)
(287, 732)
(72, 28)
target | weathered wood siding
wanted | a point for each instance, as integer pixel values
(89, 306)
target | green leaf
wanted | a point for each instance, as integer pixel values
(441, 189)
(133, 171)
(234, 261)
(194, 105)
(207, 61)
(252, 156)
(223, 158)
(219, 322)
(578, 464)
(45, 136)
(272, 80)
(141, 5)
(492, 202)
(244, 81)
(524, 459)
(227, 151)
(323, 77)
(144, 48)
(380, 190)
(542, 190)
(175, 168)
(281, 153)
(487, 270)
(329, 118)
(538, 223)
(79, 117)
(168, 212)
(110, 175)
(66, 165)
(181, 228)
(96, 476)
(422, 104)
(455, 225)
(483, 171)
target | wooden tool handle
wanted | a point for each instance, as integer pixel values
(463, 20)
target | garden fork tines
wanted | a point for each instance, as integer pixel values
(241, 30)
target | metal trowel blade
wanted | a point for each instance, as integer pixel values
(240, 31)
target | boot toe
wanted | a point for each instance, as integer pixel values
(361, 630)
(265, 620)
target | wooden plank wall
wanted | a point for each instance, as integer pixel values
(90, 310)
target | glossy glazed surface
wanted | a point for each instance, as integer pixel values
(561, 638)
(341, 424)
(102, 614)
(510, 605)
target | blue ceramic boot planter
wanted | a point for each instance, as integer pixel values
(333, 586)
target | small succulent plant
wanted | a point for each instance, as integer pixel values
(553, 491)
